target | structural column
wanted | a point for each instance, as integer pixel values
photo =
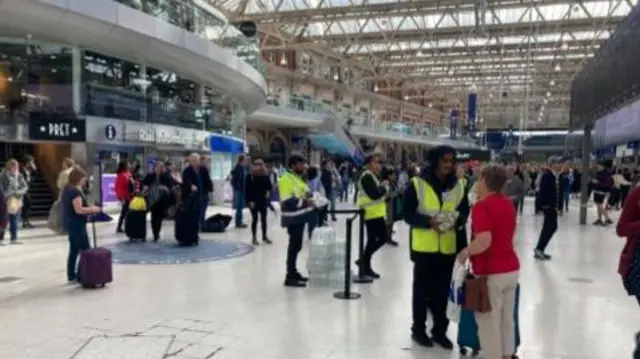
(587, 148)
(76, 79)
(238, 122)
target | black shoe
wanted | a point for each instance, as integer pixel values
(391, 242)
(119, 230)
(608, 222)
(156, 237)
(255, 242)
(301, 278)
(598, 223)
(294, 282)
(266, 240)
(422, 339)
(371, 273)
(241, 225)
(443, 341)
(540, 255)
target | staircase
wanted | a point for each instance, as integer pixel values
(41, 195)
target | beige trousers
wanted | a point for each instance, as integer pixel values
(496, 328)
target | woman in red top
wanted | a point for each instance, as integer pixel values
(493, 221)
(629, 227)
(124, 188)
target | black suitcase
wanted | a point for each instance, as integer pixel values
(186, 224)
(135, 225)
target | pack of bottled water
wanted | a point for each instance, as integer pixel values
(326, 258)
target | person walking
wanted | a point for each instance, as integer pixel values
(372, 199)
(238, 175)
(514, 188)
(492, 254)
(296, 206)
(432, 203)
(14, 186)
(158, 185)
(257, 192)
(550, 197)
(125, 188)
(28, 169)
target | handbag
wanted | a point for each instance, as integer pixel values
(55, 219)
(14, 205)
(476, 292)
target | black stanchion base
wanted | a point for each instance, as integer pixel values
(362, 279)
(346, 295)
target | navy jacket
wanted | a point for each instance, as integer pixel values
(550, 191)
(237, 177)
(190, 178)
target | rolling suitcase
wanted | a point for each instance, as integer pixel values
(135, 225)
(468, 330)
(95, 268)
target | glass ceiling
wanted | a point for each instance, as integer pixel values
(449, 19)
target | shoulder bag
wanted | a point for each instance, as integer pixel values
(476, 291)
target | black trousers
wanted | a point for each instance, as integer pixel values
(431, 280)
(549, 227)
(26, 208)
(537, 208)
(261, 212)
(376, 238)
(624, 192)
(296, 232)
(158, 212)
(123, 214)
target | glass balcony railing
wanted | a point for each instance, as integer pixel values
(205, 21)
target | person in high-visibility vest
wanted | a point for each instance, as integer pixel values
(371, 198)
(435, 207)
(296, 207)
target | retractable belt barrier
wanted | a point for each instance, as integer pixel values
(346, 293)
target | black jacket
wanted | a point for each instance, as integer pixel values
(238, 177)
(370, 188)
(165, 180)
(190, 178)
(257, 189)
(326, 178)
(418, 220)
(549, 194)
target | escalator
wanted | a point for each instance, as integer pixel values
(336, 139)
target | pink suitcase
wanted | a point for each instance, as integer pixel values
(95, 268)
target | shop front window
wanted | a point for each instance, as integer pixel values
(34, 75)
(112, 87)
(174, 100)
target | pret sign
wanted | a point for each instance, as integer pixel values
(56, 127)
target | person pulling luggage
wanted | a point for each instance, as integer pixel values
(433, 202)
(296, 205)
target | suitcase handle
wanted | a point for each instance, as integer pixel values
(93, 228)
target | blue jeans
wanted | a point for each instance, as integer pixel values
(332, 203)
(14, 219)
(238, 203)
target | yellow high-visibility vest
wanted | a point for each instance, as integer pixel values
(292, 186)
(372, 208)
(428, 240)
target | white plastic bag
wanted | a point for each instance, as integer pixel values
(454, 304)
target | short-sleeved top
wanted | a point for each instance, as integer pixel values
(70, 216)
(495, 214)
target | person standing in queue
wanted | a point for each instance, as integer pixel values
(296, 206)
(372, 199)
(433, 204)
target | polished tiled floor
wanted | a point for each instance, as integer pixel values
(573, 307)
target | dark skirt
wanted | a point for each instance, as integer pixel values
(632, 282)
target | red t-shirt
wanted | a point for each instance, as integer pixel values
(497, 215)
